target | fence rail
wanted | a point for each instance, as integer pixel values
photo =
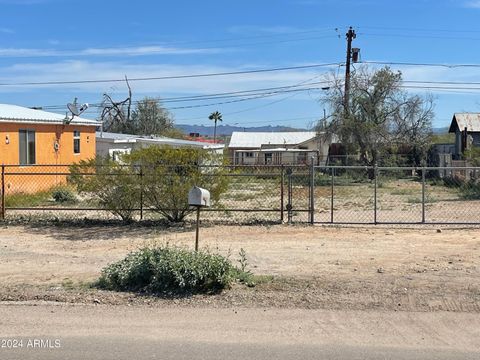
(293, 194)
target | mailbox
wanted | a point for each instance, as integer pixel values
(199, 197)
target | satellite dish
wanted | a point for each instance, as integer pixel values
(73, 109)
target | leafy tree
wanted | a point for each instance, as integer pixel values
(151, 118)
(215, 116)
(169, 174)
(380, 117)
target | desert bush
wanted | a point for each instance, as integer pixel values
(166, 270)
(169, 174)
(116, 187)
(453, 182)
(63, 194)
(470, 190)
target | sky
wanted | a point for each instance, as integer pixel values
(300, 42)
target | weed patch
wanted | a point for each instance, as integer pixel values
(171, 271)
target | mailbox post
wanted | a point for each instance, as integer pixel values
(199, 198)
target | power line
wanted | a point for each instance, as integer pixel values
(442, 82)
(242, 93)
(231, 73)
(420, 64)
(439, 87)
(250, 37)
(424, 36)
(155, 48)
(187, 76)
(416, 29)
(261, 96)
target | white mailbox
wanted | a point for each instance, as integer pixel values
(198, 196)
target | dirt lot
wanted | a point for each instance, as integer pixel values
(416, 269)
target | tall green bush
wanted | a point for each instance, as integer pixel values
(115, 187)
(169, 174)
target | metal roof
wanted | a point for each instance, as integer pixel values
(20, 114)
(118, 138)
(274, 150)
(114, 136)
(471, 121)
(254, 140)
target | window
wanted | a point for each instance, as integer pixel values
(76, 142)
(27, 147)
(249, 154)
(268, 158)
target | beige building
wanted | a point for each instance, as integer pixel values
(277, 148)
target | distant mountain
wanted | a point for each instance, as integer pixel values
(226, 130)
(440, 130)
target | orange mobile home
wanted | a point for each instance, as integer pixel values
(29, 138)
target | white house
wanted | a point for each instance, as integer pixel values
(276, 148)
(115, 144)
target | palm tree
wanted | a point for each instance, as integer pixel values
(215, 116)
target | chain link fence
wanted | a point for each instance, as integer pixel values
(248, 194)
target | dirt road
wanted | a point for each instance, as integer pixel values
(122, 332)
(419, 269)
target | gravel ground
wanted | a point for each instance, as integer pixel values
(313, 267)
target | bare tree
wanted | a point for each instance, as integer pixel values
(116, 115)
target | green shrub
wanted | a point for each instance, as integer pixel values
(114, 186)
(63, 194)
(165, 270)
(20, 199)
(453, 182)
(470, 190)
(169, 174)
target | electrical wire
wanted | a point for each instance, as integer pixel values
(187, 76)
(230, 94)
(420, 64)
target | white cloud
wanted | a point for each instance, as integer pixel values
(7, 31)
(113, 51)
(83, 70)
(473, 4)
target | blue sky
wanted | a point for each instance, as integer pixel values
(68, 40)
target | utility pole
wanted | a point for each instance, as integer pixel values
(350, 36)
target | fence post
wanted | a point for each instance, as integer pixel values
(312, 191)
(375, 187)
(332, 191)
(423, 195)
(290, 188)
(2, 195)
(141, 192)
(282, 181)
